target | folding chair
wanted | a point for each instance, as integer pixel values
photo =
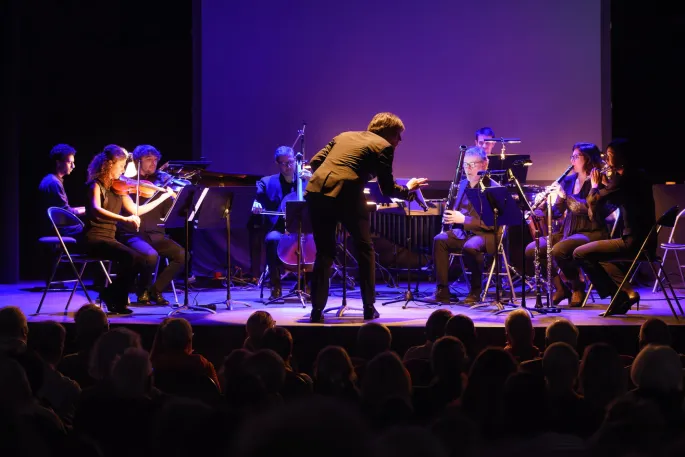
(66, 226)
(668, 219)
(173, 286)
(504, 265)
(669, 246)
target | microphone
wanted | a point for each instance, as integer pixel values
(503, 140)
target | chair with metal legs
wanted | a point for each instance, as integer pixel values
(669, 246)
(504, 265)
(173, 286)
(67, 226)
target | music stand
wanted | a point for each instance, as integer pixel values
(496, 207)
(216, 213)
(408, 294)
(510, 162)
(340, 310)
(180, 215)
(296, 221)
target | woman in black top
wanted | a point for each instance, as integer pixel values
(102, 214)
(629, 188)
(580, 224)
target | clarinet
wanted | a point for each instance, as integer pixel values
(454, 187)
(549, 251)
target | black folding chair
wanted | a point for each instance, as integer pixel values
(668, 219)
(67, 226)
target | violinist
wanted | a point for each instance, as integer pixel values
(103, 210)
(271, 191)
(579, 226)
(626, 185)
(335, 193)
(51, 188)
(151, 240)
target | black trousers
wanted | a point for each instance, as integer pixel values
(272, 260)
(325, 214)
(595, 258)
(472, 249)
(151, 247)
(129, 263)
(562, 252)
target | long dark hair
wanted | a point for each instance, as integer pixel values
(102, 163)
(592, 155)
(623, 152)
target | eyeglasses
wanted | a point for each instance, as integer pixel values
(575, 156)
(289, 163)
(471, 164)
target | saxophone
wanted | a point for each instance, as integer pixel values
(454, 186)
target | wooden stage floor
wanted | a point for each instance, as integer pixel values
(292, 314)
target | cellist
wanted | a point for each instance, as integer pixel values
(271, 191)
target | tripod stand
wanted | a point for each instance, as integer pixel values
(341, 270)
(408, 295)
(340, 310)
(295, 213)
(180, 213)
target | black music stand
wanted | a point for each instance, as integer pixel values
(495, 207)
(216, 213)
(340, 310)
(408, 294)
(524, 206)
(296, 221)
(182, 211)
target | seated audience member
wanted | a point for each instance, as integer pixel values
(269, 369)
(334, 375)
(520, 334)
(386, 391)
(462, 328)
(107, 349)
(560, 367)
(172, 351)
(14, 330)
(435, 328)
(279, 340)
(57, 391)
(654, 331)
(256, 325)
(372, 339)
(601, 382)
(559, 331)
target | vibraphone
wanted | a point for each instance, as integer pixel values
(399, 224)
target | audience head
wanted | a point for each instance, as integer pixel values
(90, 322)
(562, 331)
(13, 326)
(560, 366)
(333, 366)
(131, 373)
(47, 339)
(174, 336)
(525, 406)
(447, 359)
(519, 329)
(435, 325)
(462, 327)
(658, 369)
(601, 373)
(268, 367)
(386, 378)
(483, 396)
(108, 347)
(256, 325)
(279, 340)
(372, 339)
(654, 331)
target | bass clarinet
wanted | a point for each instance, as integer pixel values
(454, 187)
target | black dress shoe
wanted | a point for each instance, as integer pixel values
(158, 298)
(275, 293)
(143, 298)
(316, 316)
(370, 313)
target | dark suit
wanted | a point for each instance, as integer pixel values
(335, 193)
(270, 192)
(632, 193)
(473, 238)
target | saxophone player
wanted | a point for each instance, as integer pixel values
(471, 237)
(580, 225)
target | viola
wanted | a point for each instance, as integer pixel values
(126, 186)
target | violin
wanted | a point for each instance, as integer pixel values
(126, 186)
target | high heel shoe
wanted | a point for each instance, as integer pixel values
(577, 299)
(625, 300)
(561, 291)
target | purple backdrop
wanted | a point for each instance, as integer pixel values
(530, 69)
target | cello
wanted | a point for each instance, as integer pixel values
(287, 249)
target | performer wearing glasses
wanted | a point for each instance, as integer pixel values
(472, 237)
(270, 193)
(580, 225)
(627, 186)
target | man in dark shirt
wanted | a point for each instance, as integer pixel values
(471, 236)
(151, 239)
(270, 193)
(52, 186)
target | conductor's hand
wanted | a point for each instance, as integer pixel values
(452, 217)
(257, 207)
(415, 183)
(133, 220)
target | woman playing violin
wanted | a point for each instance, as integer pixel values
(103, 208)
